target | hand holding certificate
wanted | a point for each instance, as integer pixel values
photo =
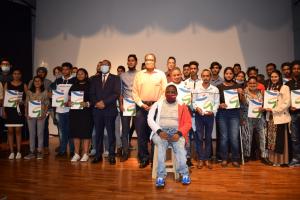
(254, 109)
(295, 97)
(76, 100)
(270, 99)
(12, 98)
(204, 103)
(184, 95)
(129, 107)
(58, 98)
(34, 109)
(231, 99)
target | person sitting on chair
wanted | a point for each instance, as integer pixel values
(170, 123)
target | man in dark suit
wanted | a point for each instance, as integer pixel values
(104, 92)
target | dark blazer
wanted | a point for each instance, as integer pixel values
(108, 94)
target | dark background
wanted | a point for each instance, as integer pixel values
(16, 36)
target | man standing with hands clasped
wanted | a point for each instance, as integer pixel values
(148, 87)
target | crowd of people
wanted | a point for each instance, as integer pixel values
(178, 108)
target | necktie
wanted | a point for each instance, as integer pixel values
(103, 80)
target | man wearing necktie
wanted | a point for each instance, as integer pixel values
(104, 91)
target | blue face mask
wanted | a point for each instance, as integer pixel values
(104, 69)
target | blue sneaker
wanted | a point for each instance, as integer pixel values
(186, 180)
(160, 182)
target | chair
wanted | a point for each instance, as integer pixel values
(170, 164)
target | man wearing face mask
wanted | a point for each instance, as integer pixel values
(148, 87)
(5, 75)
(170, 127)
(104, 92)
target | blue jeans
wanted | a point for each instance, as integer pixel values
(259, 124)
(64, 126)
(229, 126)
(204, 127)
(295, 136)
(179, 151)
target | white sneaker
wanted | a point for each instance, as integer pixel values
(11, 156)
(18, 156)
(75, 158)
(105, 154)
(84, 158)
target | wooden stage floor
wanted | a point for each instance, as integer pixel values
(53, 178)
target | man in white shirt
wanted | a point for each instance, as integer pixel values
(205, 103)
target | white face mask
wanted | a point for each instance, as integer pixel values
(104, 69)
(239, 82)
(5, 68)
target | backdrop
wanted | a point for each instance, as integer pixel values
(85, 31)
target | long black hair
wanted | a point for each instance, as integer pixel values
(33, 88)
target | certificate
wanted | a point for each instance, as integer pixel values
(253, 110)
(58, 98)
(204, 102)
(11, 98)
(76, 99)
(34, 109)
(62, 92)
(295, 96)
(231, 99)
(129, 107)
(270, 99)
(184, 95)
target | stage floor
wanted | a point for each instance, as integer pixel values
(53, 178)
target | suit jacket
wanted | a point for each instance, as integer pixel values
(108, 94)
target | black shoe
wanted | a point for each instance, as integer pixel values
(144, 163)
(112, 160)
(189, 162)
(97, 160)
(119, 152)
(266, 161)
(124, 158)
(246, 159)
(60, 155)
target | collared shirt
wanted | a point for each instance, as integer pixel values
(217, 81)
(192, 84)
(213, 95)
(127, 79)
(148, 86)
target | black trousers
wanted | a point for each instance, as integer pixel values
(102, 122)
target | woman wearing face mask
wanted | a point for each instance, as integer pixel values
(228, 121)
(241, 78)
(252, 93)
(81, 130)
(278, 119)
(15, 115)
(170, 127)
